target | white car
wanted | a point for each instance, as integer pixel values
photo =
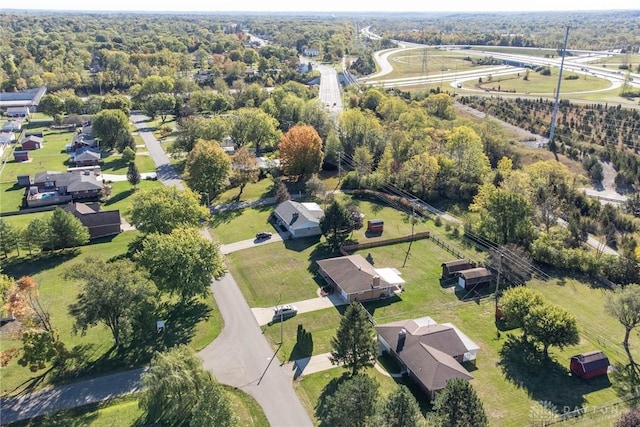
(284, 311)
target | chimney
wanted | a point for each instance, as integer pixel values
(402, 335)
(375, 283)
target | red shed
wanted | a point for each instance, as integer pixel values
(20, 156)
(589, 365)
(375, 226)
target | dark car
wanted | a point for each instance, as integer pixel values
(263, 235)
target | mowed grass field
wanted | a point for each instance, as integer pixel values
(197, 324)
(510, 385)
(418, 62)
(539, 84)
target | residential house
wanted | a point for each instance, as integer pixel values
(32, 142)
(299, 219)
(310, 52)
(18, 112)
(7, 137)
(86, 156)
(12, 126)
(355, 279)
(51, 187)
(430, 353)
(474, 278)
(100, 223)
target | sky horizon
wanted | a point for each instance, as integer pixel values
(327, 6)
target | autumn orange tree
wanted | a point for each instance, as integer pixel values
(40, 342)
(301, 151)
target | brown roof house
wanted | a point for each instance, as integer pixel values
(51, 187)
(430, 353)
(357, 280)
(100, 223)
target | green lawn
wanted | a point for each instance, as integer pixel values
(233, 226)
(417, 62)
(314, 388)
(197, 324)
(113, 163)
(121, 193)
(254, 191)
(539, 84)
(320, 326)
(11, 197)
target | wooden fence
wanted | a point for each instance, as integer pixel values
(346, 249)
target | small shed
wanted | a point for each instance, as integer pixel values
(450, 268)
(375, 226)
(32, 142)
(589, 365)
(474, 278)
(20, 156)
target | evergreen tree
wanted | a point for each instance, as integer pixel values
(133, 174)
(401, 409)
(458, 405)
(336, 225)
(66, 231)
(353, 345)
(353, 404)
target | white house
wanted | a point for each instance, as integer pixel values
(300, 219)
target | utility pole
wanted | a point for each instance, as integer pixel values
(339, 165)
(552, 146)
(413, 222)
(498, 281)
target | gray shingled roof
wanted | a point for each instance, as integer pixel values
(352, 273)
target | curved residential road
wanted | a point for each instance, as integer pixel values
(240, 356)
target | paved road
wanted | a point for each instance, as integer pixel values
(165, 172)
(69, 396)
(239, 357)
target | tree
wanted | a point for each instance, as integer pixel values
(116, 102)
(301, 151)
(254, 127)
(354, 402)
(207, 168)
(624, 305)
(166, 208)
(464, 146)
(213, 408)
(51, 105)
(353, 345)
(517, 302)
(116, 294)
(336, 224)
(244, 169)
(458, 405)
(418, 174)
(315, 186)
(282, 193)
(182, 262)
(440, 105)
(66, 231)
(133, 174)
(111, 127)
(128, 155)
(38, 233)
(9, 237)
(507, 218)
(160, 104)
(173, 386)
(400, 409)
(551, 325)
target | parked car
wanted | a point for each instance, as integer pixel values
(284, 311)
(263, 235)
